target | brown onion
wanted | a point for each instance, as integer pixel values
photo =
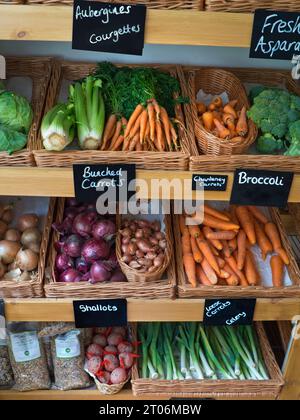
(3, 229)
(27, 221)
(12, 235)
(7, 216)
(8, 251)
(31, 235)
(27, 260)
(34, 247)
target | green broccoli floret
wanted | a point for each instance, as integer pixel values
(267, 144)
(294, 138)
(255, 91)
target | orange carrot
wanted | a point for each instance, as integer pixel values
(195, 231)
(215, 223)
(132, 120)
(136, 128)
(166, 124)
(218, 102)
(233, 265)
(224, 274)
(223, 132)
(201, 276)
(215, 213)
(211, 107)
(250, 269)
(232, 214)
(215, 243)
(151, 114)
(217, 116)
(208, 120)
(208, 270)
(232, 244)
(195, 250)
(258, 214)
(277, 267)
(186, 243)
(139, 147)
(226, 250)
(208, 254)
(241, 249)
(201, 107)
(190, 269)
(109, 130)
(213, 249)
(159, 136)
(226, 235)
(233, 103)
(233, 279)
(143, 125)
(134, 142)
(273, 234)
(228, 109)
(246, 222)
(116, 134)
(221, 262)
(262, 240)
(182, 225)
(156, 108)
(118, 143)
(242, 126)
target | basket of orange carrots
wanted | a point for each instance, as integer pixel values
(221, 126)
(236, 251)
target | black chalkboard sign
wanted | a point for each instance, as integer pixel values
(108, 27)
(275, 35)
(2, 320)
(229, 311)
(261, 188)
(210, 182)
(91, 181)
(100, 313)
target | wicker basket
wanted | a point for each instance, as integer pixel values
(33, 287)
(145, 160)
(216, 81)
(38, 69)
(176, 388)
(160, 289)
(13, 2)
(151, 4)
(133, 275)
(185, 290)
(251, 5)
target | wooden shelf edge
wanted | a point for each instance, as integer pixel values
(38, 23)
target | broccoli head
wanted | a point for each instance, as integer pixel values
(294, 138)
(268, 144)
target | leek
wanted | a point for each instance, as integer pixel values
(58, 127)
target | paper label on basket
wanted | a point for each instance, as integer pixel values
(207, 98)
(261, 188)
(229, 311)
(67, 345)
(25, 346)
(2, 321)
(112, 182)
(2, 67)
(108, 27)
(100, 313)
(211, 182)
(275, 35)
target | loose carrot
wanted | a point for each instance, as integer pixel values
(262, 240)
(226, 250)
(250, 269)
(213, 249)
(118, 143)
(208, 120)
(201, 107)
(218, 101)
(223, 132)
(233, 265)
(228, 109)
(229, 122)
(211, 107)
(195, 250)
(226, 235)
(216, 213)
(201, 276)
(208, 270)
(221, 262)
(233, 279)
(132, 120)
(258, 214)
(215, 243)
(241, 249)
(273, 234)
(246, 222)
(227, 118)
(217, 115)
(208, 254)
(232, 244)
(116, 134)
(108, 131)
(143, 125)
(182, 225)
(166, 124)
(277, 267)
(195, 231)
(242, 126)
(190, 269)
(224, 274)
(233, 103)
(215, 223)
(186, 243)
(232, 214)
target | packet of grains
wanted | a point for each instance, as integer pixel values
(6, 373)
(68, 360)
(27, 357)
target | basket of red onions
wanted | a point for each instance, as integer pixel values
(109, 359)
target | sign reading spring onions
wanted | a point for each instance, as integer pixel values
(275, 35)
(108, 27)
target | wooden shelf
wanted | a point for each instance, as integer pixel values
(146, 310)
(37, 23)
(58, 182)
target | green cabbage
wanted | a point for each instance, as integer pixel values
(11, 140)
(15, 112)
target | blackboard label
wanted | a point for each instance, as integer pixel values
(100, 313)
(229, 311)
(2, 321)
(91, 181)
(108, 27)
(261, 188)
(209, 182)
(275, 35)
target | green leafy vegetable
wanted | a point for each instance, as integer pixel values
(294, 137)
(268, 144)
(11, 140)
(15, 112)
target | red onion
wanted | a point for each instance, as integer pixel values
(82, 225)
(65, 227)
(63, 262)
(59, 245)
(81, 265)
(70, 212)
(73, 246)
(112, 259)
(95, 249)
(118, 276)
(70, 276)
(99, 272)
(71, 202)
(104, 229)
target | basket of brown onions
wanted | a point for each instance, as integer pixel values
(143, 248)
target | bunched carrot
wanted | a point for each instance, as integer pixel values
(195, 250)
(134, 141)
(201, 276)
(277, 267)
(109, 130)
(246, 222)
(208, 270)
(258, 214)
(190, 269)
(216, 213)
(143, 125)
(116, 134)
(215, 243)
(208, 254)
(262, 240)
(159, 136)
(151, 115)
(273, 234)
(118, 143)
(241, 249)
(166, 124)
(132, 120)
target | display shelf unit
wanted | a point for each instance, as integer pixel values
(35, 23)
(58, 182)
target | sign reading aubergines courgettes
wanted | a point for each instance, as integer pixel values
(275, 35)
(261, 188)
(108, 27)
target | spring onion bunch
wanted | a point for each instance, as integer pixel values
(186, 351)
